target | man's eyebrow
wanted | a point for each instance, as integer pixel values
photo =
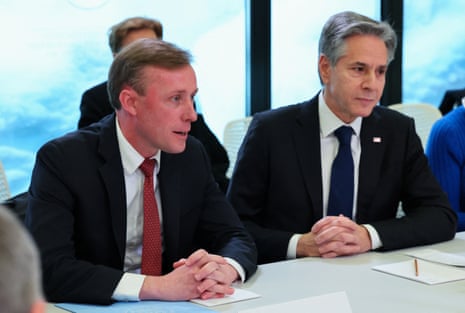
(359, 63)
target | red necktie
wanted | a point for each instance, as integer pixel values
(151, 241)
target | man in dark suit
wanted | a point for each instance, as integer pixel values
(281, 184)
(95, 103)
(85, 207)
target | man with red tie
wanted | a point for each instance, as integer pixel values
(127, 208)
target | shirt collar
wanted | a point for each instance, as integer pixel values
(130, 158)
(329, 122)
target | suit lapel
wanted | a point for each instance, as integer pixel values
(113, 179)
(169, 179)
(306, 135)
(373, 144)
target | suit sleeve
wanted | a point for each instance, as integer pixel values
(248, 192)
(221, 230)
(428, 217)
(52, 218)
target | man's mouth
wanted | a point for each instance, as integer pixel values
(181, 133)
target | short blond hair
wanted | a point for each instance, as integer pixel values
(128, 65)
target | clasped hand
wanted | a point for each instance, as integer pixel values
(201, 275)
(334, 236)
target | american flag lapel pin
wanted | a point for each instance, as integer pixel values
(377, 139)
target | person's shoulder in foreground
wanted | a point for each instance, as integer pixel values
(446, 153)
(86, 194)
(281, 186)
(20, 283)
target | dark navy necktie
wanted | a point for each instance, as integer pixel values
(341, 190)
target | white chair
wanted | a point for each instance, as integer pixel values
(233, 135)
(4, 188)
(424, 114)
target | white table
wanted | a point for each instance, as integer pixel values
(367, 290)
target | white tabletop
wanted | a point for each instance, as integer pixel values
(367, 290)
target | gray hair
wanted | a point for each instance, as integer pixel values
(20, 283)
(346, 24)
(128, 65)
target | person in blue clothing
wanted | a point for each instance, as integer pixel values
(446, 153)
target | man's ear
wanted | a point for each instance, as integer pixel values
(128, 98)
(324, 67)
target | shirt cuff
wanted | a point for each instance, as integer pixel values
(129, 287)
(237, 267)
(375, 240)
(292, 247)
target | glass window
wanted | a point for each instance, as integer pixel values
(295, 31)
(433, 50)
(54, 50)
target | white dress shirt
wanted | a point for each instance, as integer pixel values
(129, 287)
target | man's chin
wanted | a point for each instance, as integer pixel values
(175, 150)
(366, 111)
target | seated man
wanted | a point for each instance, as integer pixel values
(297, 202)
(20, 284)
(95, 103)
(110, 229)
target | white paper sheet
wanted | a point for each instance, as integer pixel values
(238, 295)
(329, 303)
(438, 257)
(428, 272)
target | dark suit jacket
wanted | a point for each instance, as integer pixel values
(77, 213)
(276, 186)
(451, 99)
(95, 104)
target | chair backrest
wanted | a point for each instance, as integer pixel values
(4, 188)
(424, 114)
(233, 135)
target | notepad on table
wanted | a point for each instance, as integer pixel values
(438, 257)
(238, 295)
(430, 273)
